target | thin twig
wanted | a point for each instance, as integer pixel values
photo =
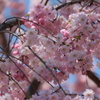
(23, 74)
(67, 4)
(29, 68)
(47, 68)
(74, 2)
(14, 81)
(46, 2)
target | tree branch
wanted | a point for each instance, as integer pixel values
(94, 78)
(10, 22)
(76, 1)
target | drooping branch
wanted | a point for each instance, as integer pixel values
(48, 69)
(8, 23)
(76, 1)
(10, 77)
(67, 4)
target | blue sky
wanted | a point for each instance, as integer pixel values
(27, 4)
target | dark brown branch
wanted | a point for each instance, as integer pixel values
(68, 3)
(76, 1)
(9, 23)
(46, 2)
(4, 43)
(94, 78)
(30, 90)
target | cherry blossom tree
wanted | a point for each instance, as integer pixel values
(41, 48)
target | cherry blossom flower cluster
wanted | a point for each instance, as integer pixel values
(66, 44)
(46, 95)
(55, 44)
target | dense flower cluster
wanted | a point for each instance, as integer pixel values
(55, 44)
(68, 47)
(46, 95)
